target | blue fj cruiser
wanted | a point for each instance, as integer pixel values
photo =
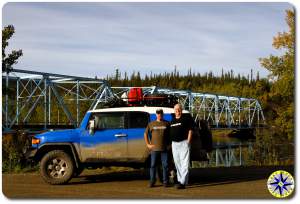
(105, 137)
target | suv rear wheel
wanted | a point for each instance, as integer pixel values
(57, 167)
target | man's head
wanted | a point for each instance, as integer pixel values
(159, 114)
(178, 110)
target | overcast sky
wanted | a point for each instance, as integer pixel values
(88, 39)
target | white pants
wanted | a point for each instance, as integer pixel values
(181, 156)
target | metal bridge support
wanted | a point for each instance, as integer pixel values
(62, 104)
(216, 111)
(77, 103)
(220, 111)
(76, 95)
(45, 102)
(34, 93)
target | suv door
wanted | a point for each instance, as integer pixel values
(137, 123)
(109, 140)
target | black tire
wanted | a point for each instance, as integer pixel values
(57, 167)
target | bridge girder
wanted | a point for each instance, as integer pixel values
(219, 110)
(37, 93)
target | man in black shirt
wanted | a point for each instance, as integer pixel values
(181, 136)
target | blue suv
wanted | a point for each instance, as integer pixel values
(106, 137)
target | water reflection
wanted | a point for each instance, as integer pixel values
(266, 149)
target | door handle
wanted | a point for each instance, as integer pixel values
(121, 135)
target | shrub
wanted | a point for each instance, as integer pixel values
(13, 146)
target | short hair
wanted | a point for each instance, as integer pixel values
(179, 106)
(159, 111)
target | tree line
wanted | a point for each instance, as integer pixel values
(275, 93)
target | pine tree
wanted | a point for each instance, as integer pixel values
(9, 60)
(257, 76)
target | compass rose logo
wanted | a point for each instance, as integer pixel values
(281, 184)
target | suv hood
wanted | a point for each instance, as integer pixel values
(59, 136)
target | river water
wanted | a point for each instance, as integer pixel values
(266, 149)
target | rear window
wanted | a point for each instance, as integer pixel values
(138, 119)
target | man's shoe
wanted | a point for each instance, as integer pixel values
(166, 185)
(151, 185)
(180, 186)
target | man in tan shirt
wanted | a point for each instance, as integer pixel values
(157, 143)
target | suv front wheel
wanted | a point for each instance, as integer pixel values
(57, 167)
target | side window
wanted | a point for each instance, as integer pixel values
(113, 120)
(138, 119)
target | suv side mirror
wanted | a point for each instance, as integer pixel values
(91, 127)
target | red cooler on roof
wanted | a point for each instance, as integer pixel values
(135, 95)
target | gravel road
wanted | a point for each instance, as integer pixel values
(209, 183)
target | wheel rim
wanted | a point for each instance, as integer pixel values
(57, 168)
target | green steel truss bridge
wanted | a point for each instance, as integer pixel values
(43, 100)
